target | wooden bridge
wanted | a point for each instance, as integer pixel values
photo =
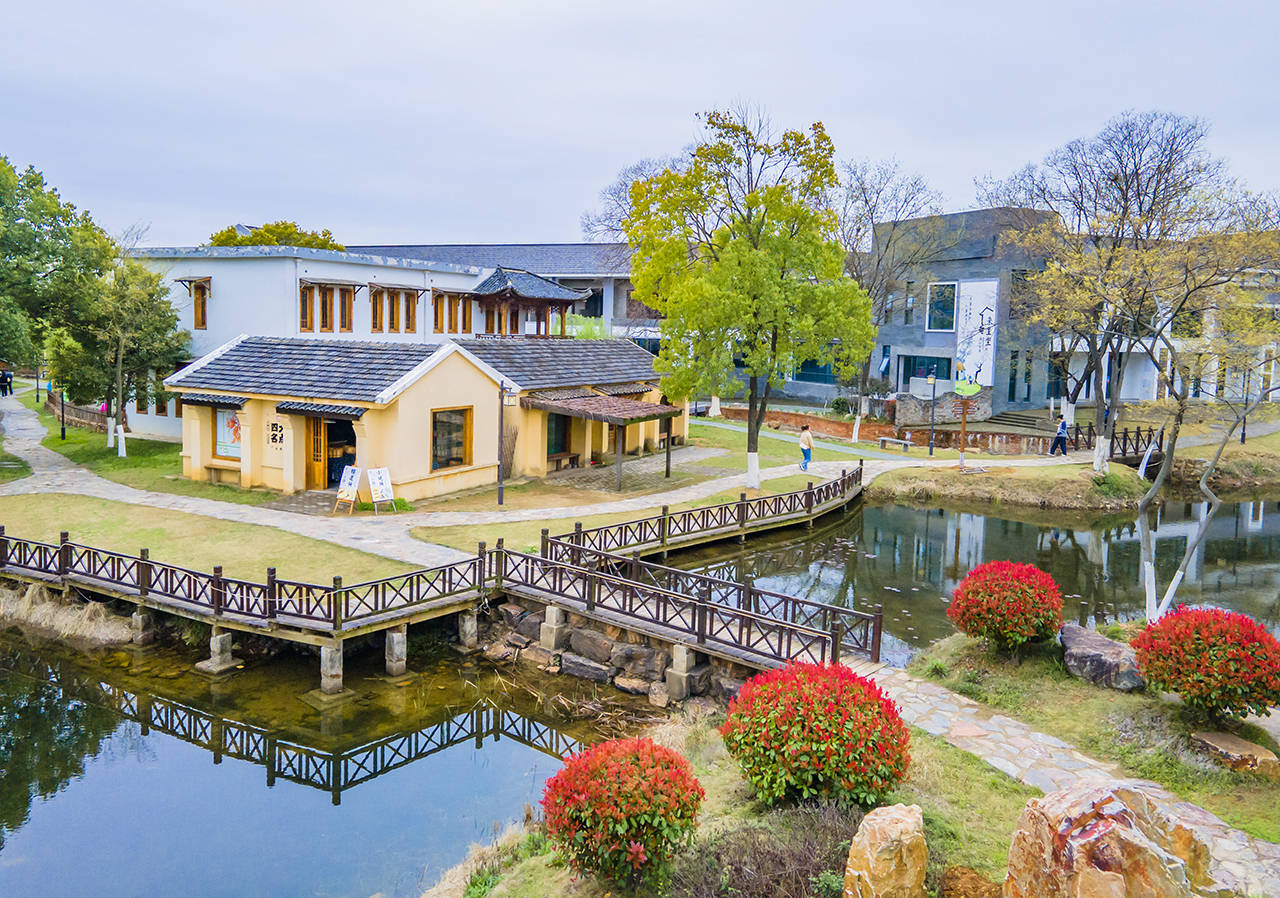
(583, 571)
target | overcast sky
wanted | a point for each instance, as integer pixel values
(486, 121)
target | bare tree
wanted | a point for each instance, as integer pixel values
(604, 223)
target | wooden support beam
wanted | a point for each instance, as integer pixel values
(621, 430)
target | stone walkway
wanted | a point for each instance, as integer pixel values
(1250, 866)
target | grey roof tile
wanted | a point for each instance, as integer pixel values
(527, 285)
(549, 259)
(540, 362)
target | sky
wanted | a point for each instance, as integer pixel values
(483, 121)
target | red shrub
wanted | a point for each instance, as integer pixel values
(810, 730)
(621, 808)
(1007, 603)
(1221, 663)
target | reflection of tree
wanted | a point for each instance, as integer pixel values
(44, 740)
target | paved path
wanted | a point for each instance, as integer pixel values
(1249, 865)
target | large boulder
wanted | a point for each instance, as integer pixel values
(639, 660)
(1239, 754)
(1108, 838)
(888, 856)
(1102, 661)
(578, 666)
(591, 644)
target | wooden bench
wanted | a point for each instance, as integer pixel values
(905, 444)
(561, 457)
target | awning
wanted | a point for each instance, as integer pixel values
(609, 409)
(629, 389)
(564, 393)
(321, 410)
(212, 400)
(193, 280)
(330, 282)
(419, 290)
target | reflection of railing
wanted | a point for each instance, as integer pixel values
(332, 772)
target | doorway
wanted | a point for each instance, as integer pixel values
(317, 455)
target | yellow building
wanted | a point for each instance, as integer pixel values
(289, 413)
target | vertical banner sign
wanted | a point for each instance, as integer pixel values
(347, 488)
(380, 488)
(976, 332)
(227, 435)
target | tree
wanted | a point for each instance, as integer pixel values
(607, 223)
(16, 346)
(737, 250)
(277, 233)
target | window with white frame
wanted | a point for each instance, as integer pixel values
(941, 313)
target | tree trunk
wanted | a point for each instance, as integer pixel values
(118, 399)
(756, 404)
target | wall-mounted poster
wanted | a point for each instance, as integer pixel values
(226, 434)
(975, 331)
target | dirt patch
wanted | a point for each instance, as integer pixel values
(1239, 472)
(961, 882)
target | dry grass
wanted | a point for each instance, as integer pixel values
(1069, 487)
(78, 622)
(550, 493)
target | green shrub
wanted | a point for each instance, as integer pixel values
(1008, 604)
(840, 405)
(812, 730)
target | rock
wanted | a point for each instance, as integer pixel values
(700, 679)
(1108, 838)
(614, 632)
(498, 651)
(701, 706)
(578, 666)
(517, 640)
(639, 660)
(530, 626)
(1239, 754)
(591, 644)
(888, 856)
(1099, 660)
(725, 688)
(512, 613)
(962, 882)
(634, 685)
(537, 655)
(658, 695)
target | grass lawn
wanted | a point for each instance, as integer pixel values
(1144, 734)
(154, 465)
(191, 541)
(551, 493)
(970, 811)
(12, 467)
(526, 536)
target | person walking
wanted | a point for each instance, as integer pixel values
(806, 447)
(6, 383)
(1060, 438)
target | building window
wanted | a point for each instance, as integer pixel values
(411, 311)
(1013, 375)
(437, 312)
(450, 438)
(1021, 299)
(513, 326)
(453, 314)
(1026, 374)
(226, 433)
(886, 314)
(162, 404)
(922, 366)
(200, 305)
(346, 309)
(490, 321)
(393, 311)
(141, 402)
(909, 310)
(375, 311)
(941, 314)
(326, 310)
(307, 309)
(466, 316)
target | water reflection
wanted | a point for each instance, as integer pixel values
(910, 560)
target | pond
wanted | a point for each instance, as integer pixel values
(131, 775)
(909, 560)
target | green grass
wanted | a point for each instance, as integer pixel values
(12, 467)
(1143, 734)
(1071, 487)
(154, 465)
(192, 541)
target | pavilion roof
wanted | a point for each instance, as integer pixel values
(513, 282)
(610, 409)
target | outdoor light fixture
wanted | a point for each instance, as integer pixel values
(507, 395)
(933, 403)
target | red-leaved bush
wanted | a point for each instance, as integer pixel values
(809, 730)
(620, 809)
(1221, 663)
(1007, 603)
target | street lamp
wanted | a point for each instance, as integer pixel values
(933, 403)
(64, 415)
(506, 396)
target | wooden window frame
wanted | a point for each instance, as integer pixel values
(515, 324)
(307, 309)
(393, 311)
(466, 316)
(468, 428)
(200, 306)
(161, 404)
(326, 309)
(490, 320)
(141, 395)
(346, 309)
(454, 302)
(375, 311)
(437, 312)
(411, 311)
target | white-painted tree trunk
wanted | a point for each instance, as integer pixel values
(857, 426)
(1102, 455)
(714, 411)
(111, 433)
(1069, 412)
(120, 449)
(753, 470)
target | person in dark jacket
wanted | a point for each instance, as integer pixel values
(1060, 438)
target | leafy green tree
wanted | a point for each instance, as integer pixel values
(51, 254)
(277, 233)
(16, 345)
(738, 250)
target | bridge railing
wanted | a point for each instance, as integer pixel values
(1124, 443)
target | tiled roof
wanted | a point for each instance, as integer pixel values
(540, 362)
(213, 400)
(526, 285)
(612, 409)
(548, 259)
(322, 410)
(627, 389)
(563, 393)
(344, 370)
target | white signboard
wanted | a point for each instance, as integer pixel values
(349, 484)
(976, 331)
(226, 435)
(380, 485)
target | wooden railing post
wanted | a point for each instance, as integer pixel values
(664, 525)
(481, 573)
(742, 511)
(4, 548)
(273, 594)
(500, 562)
(576, 560)
(335, 604)
(877, 628)
(64, 553)
(546, 542)
(592, 584)
(837, 634)
(215, 589)
(144, 572)
(808, 504)
(700, 619)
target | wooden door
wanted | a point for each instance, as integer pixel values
(317, 455)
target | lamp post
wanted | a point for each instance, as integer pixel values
(64, 415)
(1244, 422)
(506, 396)
(933, 403)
